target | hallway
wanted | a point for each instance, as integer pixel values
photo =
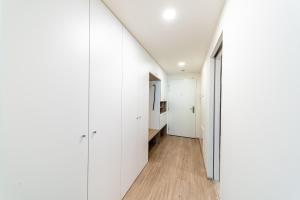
(149, 100)
(175, 172)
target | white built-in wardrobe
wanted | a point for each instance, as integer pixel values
(73, 102)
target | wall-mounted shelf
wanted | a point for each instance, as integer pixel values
(163, 106)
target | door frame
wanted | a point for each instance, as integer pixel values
(214, 144)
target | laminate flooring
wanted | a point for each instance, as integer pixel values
(175, 171)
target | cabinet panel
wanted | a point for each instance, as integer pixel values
(135, 111)
(143, 110)
(105, 104)
(44, 99)
(130, 112)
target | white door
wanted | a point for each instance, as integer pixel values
(181, 115)
(44, 99)
(105, 104)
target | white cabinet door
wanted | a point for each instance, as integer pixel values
(105, 104)
(135, 111)
(130, 112)
(143, 111)
(44, 99)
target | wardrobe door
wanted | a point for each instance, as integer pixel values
(143, 111)
(44, 99)
(105, 104)
(130, 112)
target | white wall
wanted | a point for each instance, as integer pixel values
(154, 113)
(197, 77)
(260, 158)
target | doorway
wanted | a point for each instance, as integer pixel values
(182, 111)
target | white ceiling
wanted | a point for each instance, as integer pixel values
(187, 38)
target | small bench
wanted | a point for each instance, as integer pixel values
(152, 133)
(155, 136)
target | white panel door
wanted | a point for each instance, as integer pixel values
(44, 99)
(105, 104)
(135, 110)
(130, 112)
(181, 115)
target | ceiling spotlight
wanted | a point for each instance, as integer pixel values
(181, 64)
(169, 14)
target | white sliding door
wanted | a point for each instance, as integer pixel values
(105, 104)
(44, 99)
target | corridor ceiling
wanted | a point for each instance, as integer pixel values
(186, 35)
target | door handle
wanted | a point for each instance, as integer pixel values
(193, 109)
(82, 137)
(94, 133)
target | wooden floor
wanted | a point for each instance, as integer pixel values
(175, 172)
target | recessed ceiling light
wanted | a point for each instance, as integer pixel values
(181, 64)
(169, 14)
